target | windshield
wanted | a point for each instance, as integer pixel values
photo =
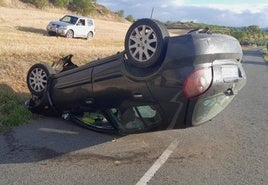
(69, 19)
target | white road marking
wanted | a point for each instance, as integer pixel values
(159, 162)
(58, 131)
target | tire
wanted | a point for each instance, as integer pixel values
(90, 36)
(69, 34)
(38, 78)
(146, 43)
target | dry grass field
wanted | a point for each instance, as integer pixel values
(24, 41)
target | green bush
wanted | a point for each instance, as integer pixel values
(40, 3)
(120, 13)
(130, 18)
(12, 110)
(83, 7)
(60, 3)
(264, 51)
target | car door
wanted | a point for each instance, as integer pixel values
(80, 30)
(90, 26)
(128, 118)
(72, 89)
(111, 87)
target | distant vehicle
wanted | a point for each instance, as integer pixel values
(157, 82)
(72, 26)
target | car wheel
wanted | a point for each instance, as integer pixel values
(146, 43)
(90, 36)
(69, 34)
(37, 78)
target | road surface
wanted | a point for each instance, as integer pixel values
(230, 149)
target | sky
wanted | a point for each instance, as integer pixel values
(236, 13)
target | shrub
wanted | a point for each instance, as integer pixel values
(83, 7)
(130, 18)
(38, 3)
(120, 13)
(264, 50)
(60, 3)
(12, 110)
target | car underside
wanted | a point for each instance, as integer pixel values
(158, 82)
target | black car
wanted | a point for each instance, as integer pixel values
(157, 82)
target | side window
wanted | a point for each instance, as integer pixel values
(137, 117)
(95, 120)
(89, 22)
(94, 117)
(81, 22)
(73, 20)
(149, 114)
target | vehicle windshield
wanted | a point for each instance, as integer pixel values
(69, 19)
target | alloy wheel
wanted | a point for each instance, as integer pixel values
(143, 43)
(38, 80)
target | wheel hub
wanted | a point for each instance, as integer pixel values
(143, 43)
(38, 80)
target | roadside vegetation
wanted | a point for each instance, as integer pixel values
(251, 36)
(12, 110)
(83, 7)
(121, 13)
(248, 36)
(265, 53)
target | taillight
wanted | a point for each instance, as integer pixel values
(197, 82)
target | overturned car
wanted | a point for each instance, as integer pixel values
(157, 82)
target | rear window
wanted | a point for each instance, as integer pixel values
(89, 22)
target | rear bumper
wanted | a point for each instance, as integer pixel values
(219, 95)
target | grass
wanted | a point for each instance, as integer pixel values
(265, 54)
(12, 110)
(265, 57)
(24, 42)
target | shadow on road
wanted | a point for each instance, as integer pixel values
(45, 138)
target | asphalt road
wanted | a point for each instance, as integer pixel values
(230, 149)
